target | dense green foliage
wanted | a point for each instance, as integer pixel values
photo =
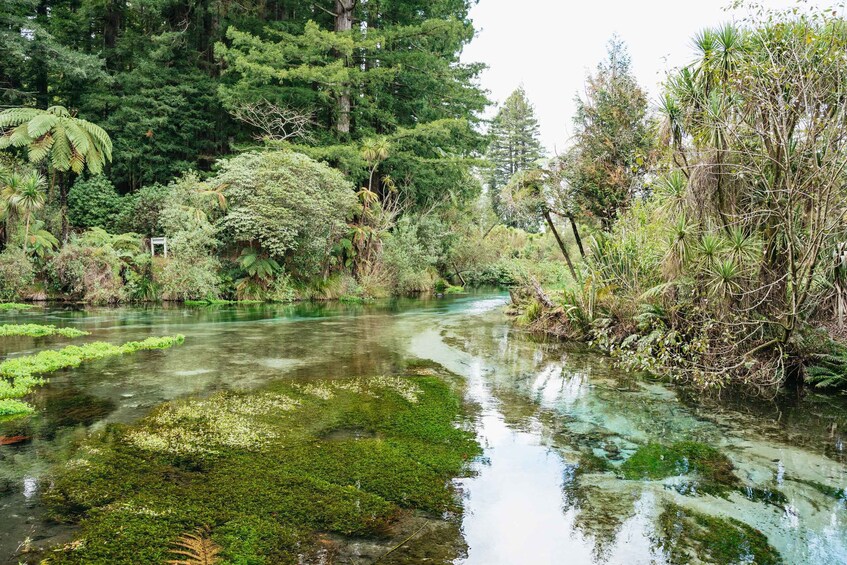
(287, 205)
(613, 140)
(686, 534)
(269, 470)
(94, 203)
(514, 146)
(719, 270)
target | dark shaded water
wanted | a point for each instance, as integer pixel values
(542, 408)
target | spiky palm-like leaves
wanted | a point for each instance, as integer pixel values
(23, 195)
(680, 245)
(725, 279)
(709, 248)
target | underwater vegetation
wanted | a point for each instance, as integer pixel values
(688, 536)
(38, 330)
(20, 375)
(14, 306)
(219, 302)
(268, 476)
(655, 461)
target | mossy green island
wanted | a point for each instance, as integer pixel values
(38, 330)
(20, 375)
(275, 476)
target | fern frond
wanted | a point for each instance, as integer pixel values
(62, 152)
(77, 162)
(99, 136)
(17, 116)
(197, 549)
(20, 136)
(78, 137)
(41, 124)
(59, 111)
(40, 148)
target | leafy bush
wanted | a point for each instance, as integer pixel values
(190, 272)
(88, 273)
(140, 211)
(407, 260)
(294, 207)
(17, 273)
(93, 202)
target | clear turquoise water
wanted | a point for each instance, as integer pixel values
(541, 406)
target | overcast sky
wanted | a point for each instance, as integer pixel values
(550, 45)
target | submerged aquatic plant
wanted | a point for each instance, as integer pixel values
(38, 330)
(332, 457)
(205, 426)
(15, 306)
(655, 461)
(19, 375)
(685, 534)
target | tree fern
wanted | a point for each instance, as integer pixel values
(54, 135)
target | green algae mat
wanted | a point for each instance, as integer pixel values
(268, 477)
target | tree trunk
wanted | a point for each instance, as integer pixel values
(576, 236)
(343, 22)
(560, 242)
(63, 205)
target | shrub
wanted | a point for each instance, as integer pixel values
(185, 279)
(140, 211)
(93, 202)
(407, 260)
(88, 273)
(17, 273)
(294, 207)
(190, 272)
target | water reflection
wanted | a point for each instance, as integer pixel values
(556, 424)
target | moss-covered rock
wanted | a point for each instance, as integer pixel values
(688, 536)
(656, 461)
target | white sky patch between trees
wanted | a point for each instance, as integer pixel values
(550, 45)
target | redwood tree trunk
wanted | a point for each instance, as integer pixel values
(344, 22)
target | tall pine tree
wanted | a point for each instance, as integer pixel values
(514, 144)
(613, 141)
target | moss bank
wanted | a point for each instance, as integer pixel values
(688, 536)
(655, 461)
(272, 474)
(38, 330)
(14, 306)
(19, 375)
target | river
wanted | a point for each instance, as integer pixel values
(542, 408)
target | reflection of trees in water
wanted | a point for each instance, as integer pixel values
(599, 512)
(813, 421)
